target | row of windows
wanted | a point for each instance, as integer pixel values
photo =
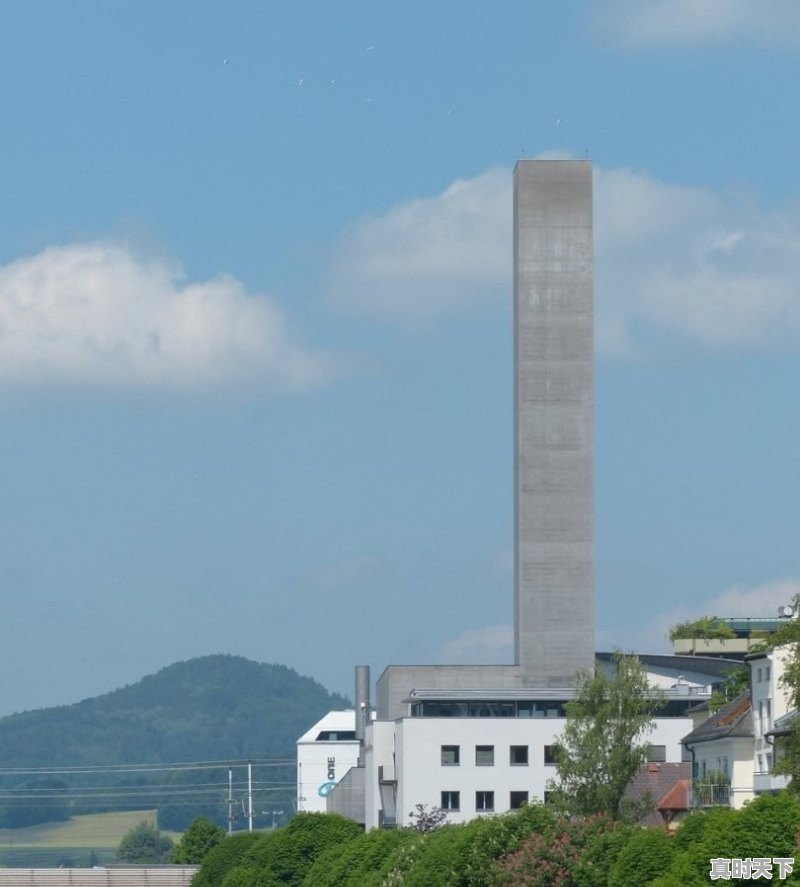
(484, 801)
(762, 674)
(673, 708)
(518, 755)
(458, 709)
(484, 755)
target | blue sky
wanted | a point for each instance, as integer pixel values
(255, 324)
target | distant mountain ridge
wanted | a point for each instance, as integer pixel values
(212, 708)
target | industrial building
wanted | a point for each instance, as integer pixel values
(476, 740)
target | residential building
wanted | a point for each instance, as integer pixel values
(733, 751)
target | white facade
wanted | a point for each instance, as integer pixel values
(474, 764)
(731, 757)
(324, 754)
(769, 700)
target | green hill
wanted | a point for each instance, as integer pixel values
(211, 709)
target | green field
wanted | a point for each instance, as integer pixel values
(82, 840)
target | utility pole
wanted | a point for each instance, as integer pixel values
(231, 817)
(249, 796)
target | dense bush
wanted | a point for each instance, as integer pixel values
(283, 857)
(364, 862)
(646, 855)
(197, 841)
(224, 859)
(568, 853)
(145, 845)
(766, 827)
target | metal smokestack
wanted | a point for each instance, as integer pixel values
(362, 707)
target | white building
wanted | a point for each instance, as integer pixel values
(733, 751)
(324, 755)
(475, 752)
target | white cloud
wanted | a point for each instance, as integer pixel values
(691, 266)
(429, 255)
(653, 22)
(494, 643)
(675, 264)
(96, 314)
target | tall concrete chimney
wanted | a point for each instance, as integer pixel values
(554, 421)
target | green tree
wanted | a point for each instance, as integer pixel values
(230, 856)
(284, 856)
(201, 836)
(737, 680)
(145, 844)
(604, 741)
(706, 627)
(644, 857)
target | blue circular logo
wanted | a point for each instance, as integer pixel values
(325, 789)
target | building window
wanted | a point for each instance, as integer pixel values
(766, 673)
(657, 754)
(451, 755)
(451, 801)
(484, 802)
(517, 799)
(519, 755)
(548, 797)
(484, 755)
(550, 754)
(758, 675)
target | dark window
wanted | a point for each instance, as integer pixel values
(451, 801)
(548, 797)
(517, 799)
(484, 755)
(657, 754)
(484, 801)
(550, 754)
(518, 755)
(335, 735)
(450, 755)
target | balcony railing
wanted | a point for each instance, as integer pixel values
(710, 795)
(769, 782)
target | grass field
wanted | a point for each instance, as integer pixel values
(83, 840)
(101, 830)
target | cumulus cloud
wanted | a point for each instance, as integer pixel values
(97, 314)
(653, 22)
(428, 255)
(684, 264)
(675, 264)
(494, 643)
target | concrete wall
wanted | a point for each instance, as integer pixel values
(554, 420)
(397, 681)
(347, 798)
(117, 876)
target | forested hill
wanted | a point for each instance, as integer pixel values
(211, 708)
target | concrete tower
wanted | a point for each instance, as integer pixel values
(554, 421)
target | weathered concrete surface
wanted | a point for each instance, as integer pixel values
(554, 420)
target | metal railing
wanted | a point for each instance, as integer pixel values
(706, 794)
